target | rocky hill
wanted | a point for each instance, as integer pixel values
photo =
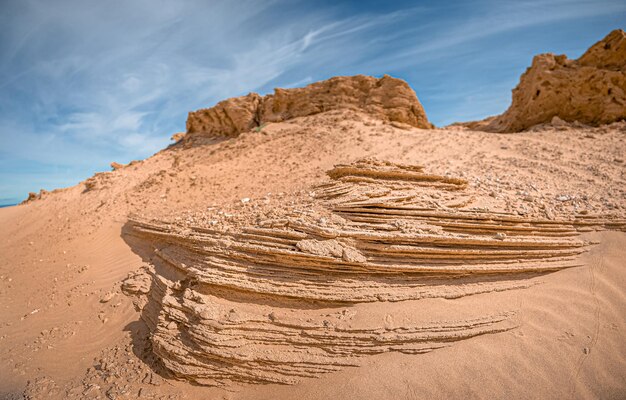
(590, 90)
(386, 98)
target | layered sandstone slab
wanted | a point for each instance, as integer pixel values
(276, 300)
(387, 98)
(590, 90)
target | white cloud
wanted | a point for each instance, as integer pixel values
(102, 83)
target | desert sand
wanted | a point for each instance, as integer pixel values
(330, 242)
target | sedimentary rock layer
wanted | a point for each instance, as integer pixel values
(205, 338)
(387, 98)
(250, 302)
(590, 90)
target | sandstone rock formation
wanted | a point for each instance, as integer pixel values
(228, 118)
(178, 136)
(294, 296)
(387, 98)
(115, 166)
(590, 90)
(32, 196)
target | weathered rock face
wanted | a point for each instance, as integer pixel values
(300, 293)
(388, 98)
(590, 90)
(228, 118)
(609, 53)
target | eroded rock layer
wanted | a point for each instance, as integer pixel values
(387, 98)
(214, 339)
(275, 300)
(590, 90)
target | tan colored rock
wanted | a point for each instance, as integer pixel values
(43, 193)
(108, 296)
(177, 137)
(390, 99)
(609, 53)
(325, 248)
(255, 304)
(590, 90)
(115, 166)
(32, 196)
(228, 118)
(137, 283)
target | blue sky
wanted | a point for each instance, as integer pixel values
(84, 83)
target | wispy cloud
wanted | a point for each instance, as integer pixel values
(83, 83)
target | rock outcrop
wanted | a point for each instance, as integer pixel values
(590, 90)
(177, 137)
(229, 117)
(296, 295)
(116, 166)
(387, 98)
(32, 196)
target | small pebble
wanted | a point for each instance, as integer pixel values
(107, 297)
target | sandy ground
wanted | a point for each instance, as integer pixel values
(67, 331)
